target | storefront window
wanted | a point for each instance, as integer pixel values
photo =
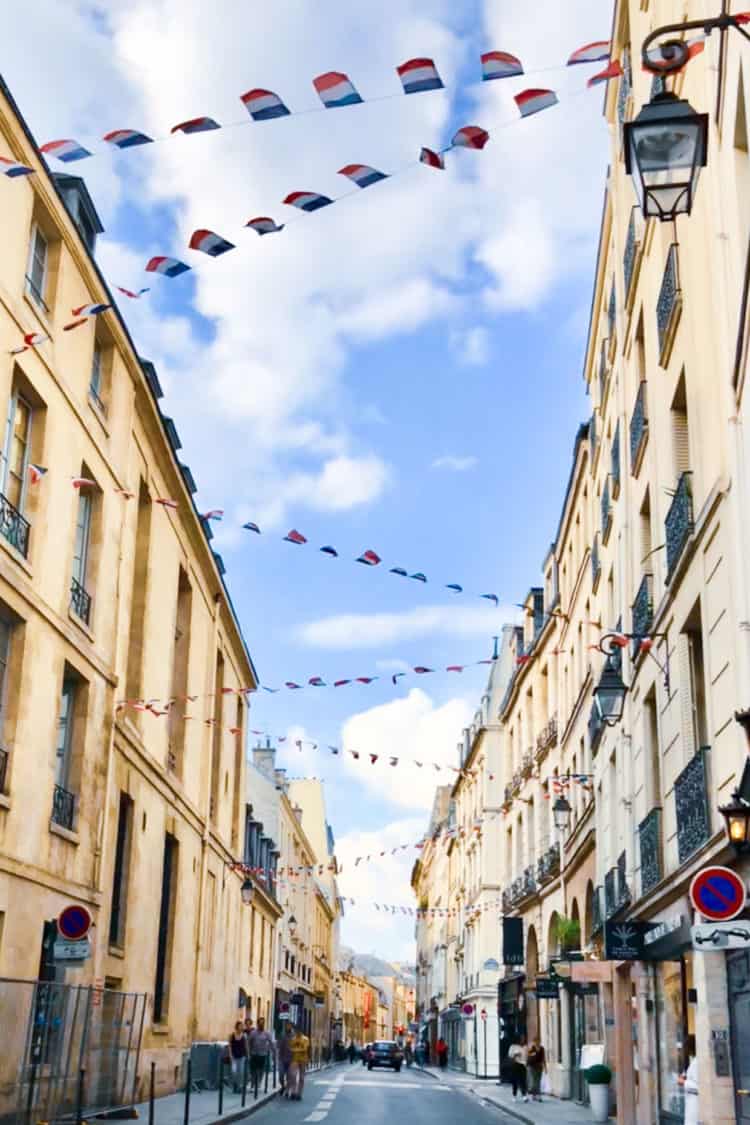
(675, 1021)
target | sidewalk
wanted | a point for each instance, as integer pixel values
(552, 1111)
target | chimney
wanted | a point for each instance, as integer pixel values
(264, 760)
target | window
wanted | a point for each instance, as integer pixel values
(16, 451)
(65, 733)
(693, 683)
(680, 431)
(180, 665)
(166, 929)
(6, 630)
(121, 871)
(139, 594)
(96, 382)
(36, 276)
(218, 736)
(80, 599)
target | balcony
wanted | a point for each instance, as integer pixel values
(624, 897)
(597, 913)
(63, 807)
(668, 306)
(649, 835)
(606, 512)
(603, 374)
(638, 429)
(643, 612)
(678, 525)
(691, 806)
(610, 892)
(13, 527)
(548, 867)
(631, 259)
(527, 765)
(515, 784)
(612, 321)
(592, 435)
(596, 729)
(623, 93)
(508, 797)
(615, 463)
(3, 770)
(546, 739)
(80, 601)
(596, 566)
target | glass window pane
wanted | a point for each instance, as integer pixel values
(96, 371)
(5, 633)
(38, 267)
(64, 728)
(80, 549)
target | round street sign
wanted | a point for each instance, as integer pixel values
(74, 922)
(483, 1013)
(467, 1010)
(718, 894)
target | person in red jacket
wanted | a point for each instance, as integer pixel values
(441, 1050)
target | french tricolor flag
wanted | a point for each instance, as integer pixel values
(432, 159)
(264, 225)
(295, 536)
(210, 243)
(307, 200)
(534, 101)
(67, 150)
(614, 70)
(471, 136)
(362, 174)
(196, 125)
(369, 558)
(169, 267)
(127, 138)
(335, 89)
(263, 105)
(12, 168)
(500, 64)
(36, 472)
(592, 52)
(89, 310)
(213, 514)
(418, 75)
(30, 340)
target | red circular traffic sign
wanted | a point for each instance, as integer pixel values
(467, 1010)
(718, 894)
(74, 922)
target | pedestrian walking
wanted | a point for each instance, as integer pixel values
(352, 1052)
(517, 1055)
(262, 1050)
(441, 1050)
(237, 1054)
(536, 1064)
(285, 1059)
(300, 1051)
(689, 1082)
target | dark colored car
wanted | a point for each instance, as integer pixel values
(384, 1052)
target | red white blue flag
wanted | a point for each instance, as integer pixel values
(362, 174)
(12, 168)
(335, 89)
(534, 101)
(471, 136)
(307, 200)
(169, 267)
(66, 150)
(264, 225)
(500, 64)
(418, 75)
(196, 125)
(210, 243)
(263, 105)
(432, 159)
(592, 52)
(127, 138)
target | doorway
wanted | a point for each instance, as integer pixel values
(585, 1027)
(738, 980)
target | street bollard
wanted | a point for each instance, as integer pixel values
(79, 1096)
(188, 1084)
(221, 1085)
(152, 1085)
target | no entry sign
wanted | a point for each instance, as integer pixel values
(74, 923)
(718, 894)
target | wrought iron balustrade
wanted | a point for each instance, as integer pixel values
(63, 807)
(638, 427)
(623, 93)
(171, 760)
(547, 737)
(597, 912)
(3, 769)
(692, 810)
(595, 728)
(592, 434)
(610, 892)
(669, 301)
(623, 890)
(606, 512)
(643, 612)
(615, 465)
(80, 600)
(506, 899)
(649, 835)
(527, 765)
(515, 784)
(629, 254)
(548, 866)
(508, 794)
(596, 566)
(529, 881)
(678, 525)
(13, 527)
(612, 314)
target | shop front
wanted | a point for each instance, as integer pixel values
(511, 1007)
(453, 1031)
(586, 1034)
(668, 948)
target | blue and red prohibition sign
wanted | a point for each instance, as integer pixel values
(74, 922)
(718, 894)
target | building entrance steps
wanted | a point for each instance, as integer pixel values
(550, 1111)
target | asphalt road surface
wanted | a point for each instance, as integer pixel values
(352, 1095)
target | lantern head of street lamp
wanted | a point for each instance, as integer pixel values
(561, 812)
(736, 814)
(247, 890)
(665, 148)
(292, 924)
(609, 694)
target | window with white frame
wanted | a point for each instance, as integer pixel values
(36, 275)
(16, 450)
(65, 733)
(83, 534)
(96, 380)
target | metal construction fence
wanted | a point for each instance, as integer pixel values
(66, 1050)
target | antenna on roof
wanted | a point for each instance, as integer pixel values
(494, 654)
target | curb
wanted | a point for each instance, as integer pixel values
(505, 1109)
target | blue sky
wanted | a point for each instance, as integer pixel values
(401, 371)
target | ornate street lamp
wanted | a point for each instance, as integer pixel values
(247, 890)
(292, 924)
(736, 814)
(609, 694)
(667, 144)
(561, 813)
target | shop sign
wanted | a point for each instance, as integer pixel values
(720, 935)
(547, 988)
(513, 941)
(591, 971)
(665, 940)
(320, 1000)
(625, 941)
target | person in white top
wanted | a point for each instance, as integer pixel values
(689, 1082)
(517, 1055)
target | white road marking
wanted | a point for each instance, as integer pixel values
(317, 1116)
(385, 1084)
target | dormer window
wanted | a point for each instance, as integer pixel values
(80, 207)
(36, 274)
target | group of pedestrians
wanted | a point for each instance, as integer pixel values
(526, 1068)
(256, 1048)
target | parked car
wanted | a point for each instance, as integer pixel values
(384, 1052)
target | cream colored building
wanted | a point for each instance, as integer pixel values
(359, 1008)
(135, 814)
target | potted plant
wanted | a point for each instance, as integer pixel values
(568, 934)
(599, 1077)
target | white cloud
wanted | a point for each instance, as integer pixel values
(401, 309)
(410, 728)
(369, 630)
(455, 464)
(471, 346)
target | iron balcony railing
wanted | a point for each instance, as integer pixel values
(63, 807)
(668, 302)
(606, 512)
(623, 890)
(592, 434)
(610, 892)
(546, 738)
(13, 527)
(596, 566)
(527, 764)
(597, 912)
(649, 836)
(629, 254)
(548, 866)
(508, 794)
(692, 810)
(623, 93)
(638, 427)
(3, 770)
(643, 612)
(612, 314)
(80, 601)
(596, 728)
(678, 525)
(616, 462)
